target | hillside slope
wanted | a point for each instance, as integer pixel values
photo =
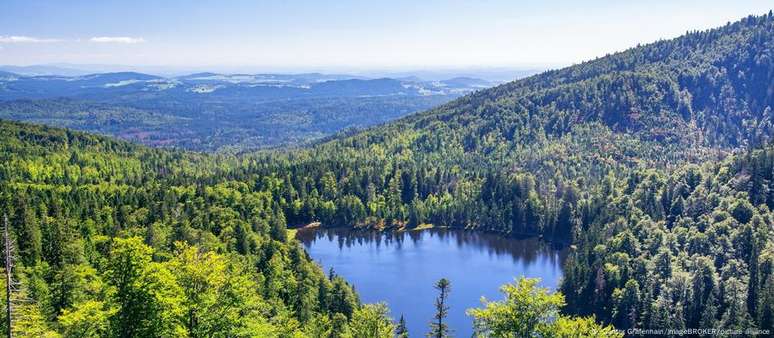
(695, 98)
(602, 155)
(113, 239)
(711, 88)
(653, 163)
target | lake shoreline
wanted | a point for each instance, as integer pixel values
(556, 244)
(400, 267)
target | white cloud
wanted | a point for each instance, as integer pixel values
(25, 39)
(116, 39)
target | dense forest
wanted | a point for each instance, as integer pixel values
(516, 158)
(654, 165)
(111, 239)
(691, 249)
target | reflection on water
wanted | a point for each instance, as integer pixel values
(401, 267)
(525, 250)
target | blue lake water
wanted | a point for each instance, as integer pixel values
(401, 268)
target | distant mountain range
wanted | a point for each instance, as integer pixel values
(253, 86)
(490, 74)
(35, 70)
(211, 111)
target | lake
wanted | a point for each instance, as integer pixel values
(400, 268)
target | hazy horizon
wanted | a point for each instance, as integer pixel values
(348, 36)
(428, 72)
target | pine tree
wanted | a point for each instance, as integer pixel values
(766, 309)
(438, 328)
(628, 307)
(401, 331)
(28, 234)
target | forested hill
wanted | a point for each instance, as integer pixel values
(604, 155)
(112, 239)
(707, 88)
(711, 87)
(653, 163)
(555, 136)
(692, 98)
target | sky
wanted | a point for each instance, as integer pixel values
(345, 35)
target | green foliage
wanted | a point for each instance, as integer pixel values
(655, 164)
(531, 311)
(86, 319)
(148, 299)
(372, 321)
(220, 296)
(152, 243)
(704, 264)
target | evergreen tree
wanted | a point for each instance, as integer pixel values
(401, 331)
(438, 328)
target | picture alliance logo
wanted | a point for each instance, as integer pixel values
(696, 332)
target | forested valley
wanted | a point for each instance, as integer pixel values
(220, 112)
(654, 165)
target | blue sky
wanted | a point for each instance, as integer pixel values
(344, 35)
